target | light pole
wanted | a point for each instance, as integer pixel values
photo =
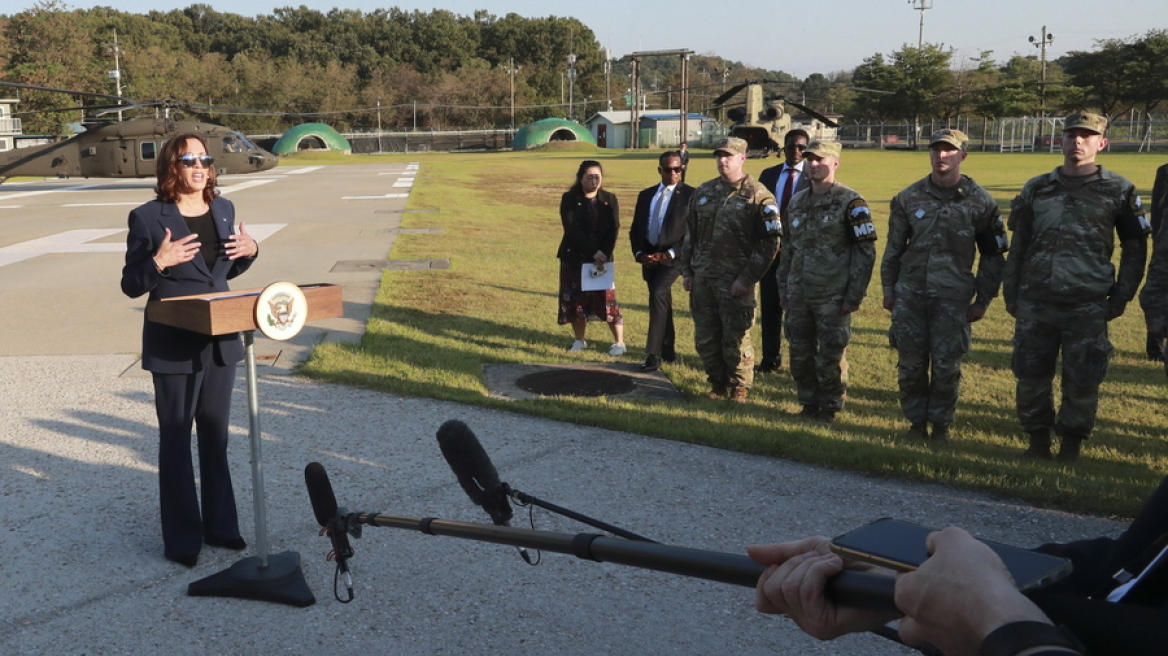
(921, 6)
(607, 80)
(1041, 43)
(571, 83)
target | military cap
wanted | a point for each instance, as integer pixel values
(732, 145)
(954, 138)
(823, 149)
(1086, 121)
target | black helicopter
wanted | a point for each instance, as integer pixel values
(128, 149)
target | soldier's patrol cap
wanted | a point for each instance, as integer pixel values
(955, 138)
(1086, 121)
(823, 149)
(732, 145)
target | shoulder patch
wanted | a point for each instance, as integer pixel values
(860, 226)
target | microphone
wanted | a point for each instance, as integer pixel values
(334, 522)
(475, 473)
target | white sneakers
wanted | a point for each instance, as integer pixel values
(578, 345)
(617, 349)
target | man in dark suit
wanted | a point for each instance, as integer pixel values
(783, 181)
(656, 235)
(1159, 211)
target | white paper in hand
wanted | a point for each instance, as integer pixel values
(593, 278)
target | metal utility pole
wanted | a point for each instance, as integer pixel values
(116, 74)
(512, 69)
(571, 84)
(921, 6)
(607, 80)
(1041, 43)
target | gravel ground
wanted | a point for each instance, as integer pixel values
(82, 569)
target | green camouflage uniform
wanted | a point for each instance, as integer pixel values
(830, 248)
(933, 235)
(731, 235)
(1154, 297)
(1061, 282)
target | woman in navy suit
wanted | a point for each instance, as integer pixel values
(182, 243)
(591, 220)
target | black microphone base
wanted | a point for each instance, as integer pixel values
(280, 582)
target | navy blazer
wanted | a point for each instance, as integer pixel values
(165, 349)
(672, 224)
(579, 243)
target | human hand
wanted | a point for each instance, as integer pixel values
(793, 585)
(848, 308)
(643, 258)
(687, 284)
(1115, 308)
(738, 290)
(1012, 310)
(242, 244)
(889, 302)
(959, 595)
(599, 258)
(975, 313)
(172, 252)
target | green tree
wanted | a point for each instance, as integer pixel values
(917, 78)
(49, 46)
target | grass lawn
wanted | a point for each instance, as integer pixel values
(431, 332)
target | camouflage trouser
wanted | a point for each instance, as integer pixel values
(1080, 331)
(929, 333)
(722, 331)
(819, 336)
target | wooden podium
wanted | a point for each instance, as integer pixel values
(263, 577)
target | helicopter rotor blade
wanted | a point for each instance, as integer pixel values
(826, 121)
(72, 92)
(730, 93)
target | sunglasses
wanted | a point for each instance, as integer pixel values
(189, 160)
(675, 169)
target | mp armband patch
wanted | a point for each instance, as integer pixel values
(860, 226)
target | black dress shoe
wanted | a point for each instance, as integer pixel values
(236, 544)
(185, 561)
(669, 355)
(768, 366)
(652, 363)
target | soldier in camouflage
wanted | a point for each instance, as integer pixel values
(830, 246)
(732, 235)
(1154, 297)
(1062, 288)
(935, 228)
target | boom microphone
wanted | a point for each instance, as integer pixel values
(476, 474)
(320, 493)
(332, 520)
(474, 470)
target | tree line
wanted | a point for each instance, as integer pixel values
(400, 69)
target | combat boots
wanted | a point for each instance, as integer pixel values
(717, 391)
(918, 432)
(1039, 445)
(940, 433)
(1070, 446)
(738, 394)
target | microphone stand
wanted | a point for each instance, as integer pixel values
(526, 499)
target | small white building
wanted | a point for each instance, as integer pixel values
(660, 128)
(9, 126)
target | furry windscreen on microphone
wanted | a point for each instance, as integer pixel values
(471, 465)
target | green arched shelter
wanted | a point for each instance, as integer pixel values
(548, 130)
(311, 136)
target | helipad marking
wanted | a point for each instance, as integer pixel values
(77, 241)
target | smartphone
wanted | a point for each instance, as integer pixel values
(901, 546)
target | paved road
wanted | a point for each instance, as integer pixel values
(81, 569)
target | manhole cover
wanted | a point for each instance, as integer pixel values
(574, 382)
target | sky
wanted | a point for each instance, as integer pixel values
(830, 36)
